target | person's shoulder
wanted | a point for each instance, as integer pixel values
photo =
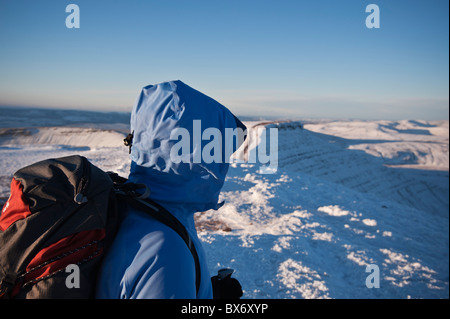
(162, 266)
(153, 237)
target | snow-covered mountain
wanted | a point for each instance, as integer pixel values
(334, 207)
(346, 194)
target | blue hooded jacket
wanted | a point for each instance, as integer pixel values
(147, 258)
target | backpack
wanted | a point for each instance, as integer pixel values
(59, 221)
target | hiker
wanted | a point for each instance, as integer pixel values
(147, 258)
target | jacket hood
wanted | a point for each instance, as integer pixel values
(175, 130)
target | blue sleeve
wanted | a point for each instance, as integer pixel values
(163, 268)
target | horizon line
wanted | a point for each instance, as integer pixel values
(245, 117)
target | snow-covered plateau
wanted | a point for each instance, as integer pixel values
(345, 195)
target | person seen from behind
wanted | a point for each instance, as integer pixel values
(148, 259)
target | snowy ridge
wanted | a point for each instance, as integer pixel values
(335, 205)
(415, 144)
(20, 147)
(419, 178)
(311, 229)
(70, 136)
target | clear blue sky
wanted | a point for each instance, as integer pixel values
(296, 59)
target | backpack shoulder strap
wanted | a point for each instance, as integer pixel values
(127, 192)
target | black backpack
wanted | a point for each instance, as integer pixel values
(60, 219)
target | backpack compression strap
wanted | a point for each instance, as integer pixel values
(127, 193)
